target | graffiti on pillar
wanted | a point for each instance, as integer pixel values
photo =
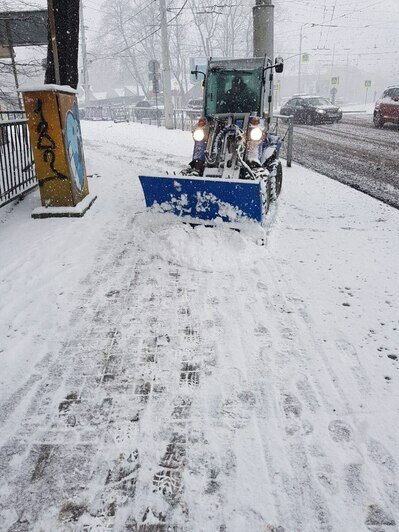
(74, 147)
(46, 144)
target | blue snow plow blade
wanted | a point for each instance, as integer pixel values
(204, 199)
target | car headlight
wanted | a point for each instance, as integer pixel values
(321, 111)
(198, 134)
(339, 110)
(256, 133)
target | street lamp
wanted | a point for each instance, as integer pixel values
(312, 25)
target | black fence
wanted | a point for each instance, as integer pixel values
(17, 169)
(144, 115)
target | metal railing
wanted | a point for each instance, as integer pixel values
(17, 168)
(185, 119)
(283, 126)
(11, 115)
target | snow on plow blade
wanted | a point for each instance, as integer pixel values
(204, 199)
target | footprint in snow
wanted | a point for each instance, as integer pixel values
(288, 334)
(354, 480)
(346, 347)
(66, 407)
(292, 406)
(326, 478)
(378, 517)
(380, 456)
(340, 431)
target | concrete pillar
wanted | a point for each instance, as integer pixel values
(263, 18)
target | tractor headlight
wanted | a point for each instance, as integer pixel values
(256, 133)
(321, 111)
(339, 110)
(198, 134)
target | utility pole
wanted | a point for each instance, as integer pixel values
(54, 45)
(86, 85)
(312, 25)
(300, 59)
(263, 21)
(166, 76)
(333, 60)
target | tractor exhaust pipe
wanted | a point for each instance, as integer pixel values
(263, 22)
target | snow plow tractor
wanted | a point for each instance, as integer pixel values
(235, 171)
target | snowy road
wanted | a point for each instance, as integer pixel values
(353, 152)
(158, 377)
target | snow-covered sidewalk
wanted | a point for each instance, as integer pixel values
(155, 375)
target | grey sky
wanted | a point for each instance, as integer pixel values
(367, 35)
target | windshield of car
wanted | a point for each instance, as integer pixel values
(318, 101)
(233, 91)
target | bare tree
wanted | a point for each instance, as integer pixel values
(129, 37)
(232, 26)
(206, 18)
(179, 59)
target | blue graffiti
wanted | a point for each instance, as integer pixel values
(74, 147)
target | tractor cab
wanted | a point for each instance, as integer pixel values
(235, 86)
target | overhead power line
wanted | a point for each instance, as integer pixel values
(143, 38)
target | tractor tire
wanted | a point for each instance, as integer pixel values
(276, 181)
(267, 197)
(279, 179)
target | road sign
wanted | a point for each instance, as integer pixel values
(305, 58)
(153, 66)
(367, 83)
(152, 76)
(23, 28)
(334, 81)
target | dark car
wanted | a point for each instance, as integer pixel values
(311, 110)
(145, 109)
(120, 114)
(195, 107)
(387, 107)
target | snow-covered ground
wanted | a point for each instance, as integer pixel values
(155, 375)
(366, 108)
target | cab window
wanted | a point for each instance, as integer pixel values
(233, 91)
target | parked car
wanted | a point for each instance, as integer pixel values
(120, 114)
(387, 107)
(195, 107)
(311, 110)
(144, 110)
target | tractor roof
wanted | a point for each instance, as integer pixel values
(238, 64)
